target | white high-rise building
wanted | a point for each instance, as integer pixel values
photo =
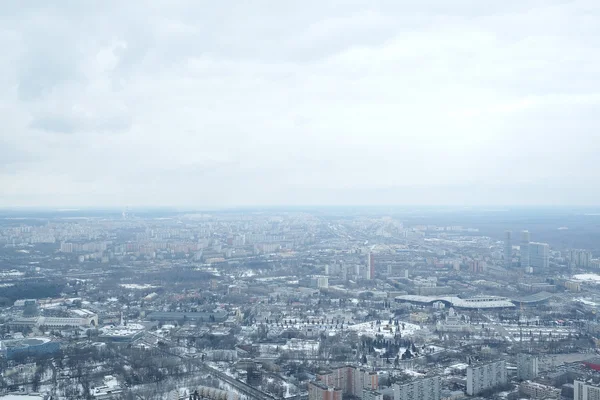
(485, 376)
(370, 273)
(419, 389)
(579, 258)
(525, 249)
(539, 255)
(586, 391)
(508, 249)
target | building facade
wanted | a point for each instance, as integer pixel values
(586, 391)
(527, 367)
(579, 258)
(369, 394)
(536, 390)
(524, 248)
(508, 249)
(419, 389)
(351, 380)
(485, 376)
(320, 391)
(370, 273)
(539, 255)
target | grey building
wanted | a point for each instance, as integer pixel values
(485, 376)
(527, 367)
(508, 249)
(218, 316)
(586, 391)
(525, 249)
(419, 389)
(539, 255)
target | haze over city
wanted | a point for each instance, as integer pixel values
(299, 200)
(221, 104)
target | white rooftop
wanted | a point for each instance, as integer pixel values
(475, 302)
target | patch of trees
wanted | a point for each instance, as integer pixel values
(31, 290)
(180, 275)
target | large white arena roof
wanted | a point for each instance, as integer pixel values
(479, 302)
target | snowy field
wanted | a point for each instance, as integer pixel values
(136, 286)
(590, 278)
(388, 331)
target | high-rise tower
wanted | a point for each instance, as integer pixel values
(525, 249)
(508, 249)
(370, 266)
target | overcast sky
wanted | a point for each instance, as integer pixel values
(225, 103)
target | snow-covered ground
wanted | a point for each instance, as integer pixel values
(388, 331)
(590, 278)
(137, 286)
(587, 302)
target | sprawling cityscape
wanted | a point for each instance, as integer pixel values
(315, 304)
(299, 200)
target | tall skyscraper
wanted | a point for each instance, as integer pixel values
(539, 255)
(370, 266)
(485, 376)
(525, 249)
(508, 249)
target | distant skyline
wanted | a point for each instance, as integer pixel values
(226, 104)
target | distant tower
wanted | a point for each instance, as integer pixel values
(525, 249)
(508, 249)
(370, 266)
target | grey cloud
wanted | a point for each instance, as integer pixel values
(334, 101)
(39, 76)
(13, 158)
(53, 124)
(63, 124)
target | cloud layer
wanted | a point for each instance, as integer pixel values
(228, 103)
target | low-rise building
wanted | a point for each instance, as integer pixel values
(536, 390)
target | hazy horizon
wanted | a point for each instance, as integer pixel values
(228, 104)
